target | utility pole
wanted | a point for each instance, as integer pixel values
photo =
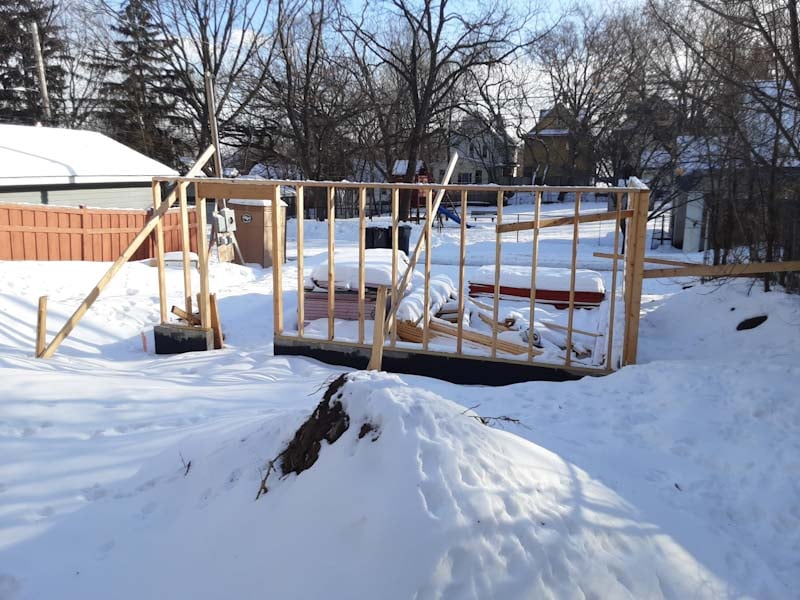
(37, 50)
(211, 108)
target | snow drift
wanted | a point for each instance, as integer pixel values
(430, 504)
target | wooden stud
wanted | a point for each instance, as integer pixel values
(202, 256)
(729, 270)
(492, 342)
(498, 241)
(648, 259)
(216, 325)
(190, 318)
(162, 281)
(362, 243)
(534, 267)
(560, 221)
(123, 258)
(277, 260)
(412, 260)
(331, 262)
(378, 331)
(41, 326)
(613, 299)
(636, 247)
(426, 300)
(395, 251)
(462, 255)
(574, 266)
(186, 247)
(299, 213)
(493, 188)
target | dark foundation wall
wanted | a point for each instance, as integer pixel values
(455, 369)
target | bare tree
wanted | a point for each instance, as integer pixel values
(431, 47)
(227, 38)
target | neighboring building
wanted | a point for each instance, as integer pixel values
(556, 152)
(64, 167)
(485, 155)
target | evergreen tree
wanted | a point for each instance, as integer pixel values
(20, 101)
(140, 96)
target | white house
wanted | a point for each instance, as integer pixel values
(65, 167)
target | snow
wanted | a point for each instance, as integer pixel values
(674, 478)
(547, 278)
(377, 269)
(52, 156)
(251, 202)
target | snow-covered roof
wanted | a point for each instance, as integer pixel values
(38, 156)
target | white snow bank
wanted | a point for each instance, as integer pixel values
(547, 278)
(412, 306)
(438, 506)
(377, 269)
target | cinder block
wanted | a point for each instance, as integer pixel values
(176, 339)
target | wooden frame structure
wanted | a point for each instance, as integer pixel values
(632, 206)
(630, 216)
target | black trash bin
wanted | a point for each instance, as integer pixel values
(378, 237)
(404, 237)
(381, 237)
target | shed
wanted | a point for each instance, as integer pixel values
(65, 167)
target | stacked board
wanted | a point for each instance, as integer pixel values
(552, 285)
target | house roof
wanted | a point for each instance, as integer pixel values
(42, 156)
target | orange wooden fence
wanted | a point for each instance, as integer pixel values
(31, 232)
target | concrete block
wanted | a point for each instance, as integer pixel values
(176, 339)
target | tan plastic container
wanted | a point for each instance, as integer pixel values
(254, 229)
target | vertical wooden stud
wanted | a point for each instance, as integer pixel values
(159, 232)
(378, 331)
(277, 261)
(216, 325)
(426, 302)
(462, 254)
(634, 298)
(41, 326)
(395, 250)
(186, 247)
(573, 267)
(497, 251)
(362, 243)
(534, 267)
(613, 299)
(299, 213)
(202, 258)
(331, 265)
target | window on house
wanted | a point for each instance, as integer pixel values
(485, 151)
(441, 175)
(472, 150)
(464, 178)
(478, 176)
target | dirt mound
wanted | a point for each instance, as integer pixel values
(328, 422)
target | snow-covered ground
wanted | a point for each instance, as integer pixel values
(674, 478)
